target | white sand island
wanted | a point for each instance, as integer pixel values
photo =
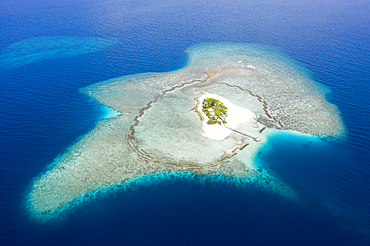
(236, 116)
(160, 129)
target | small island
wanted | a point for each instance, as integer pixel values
(173, 124)
(215, 111)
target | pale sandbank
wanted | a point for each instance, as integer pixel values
(236, 116)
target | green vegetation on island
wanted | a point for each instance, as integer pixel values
(215, 111)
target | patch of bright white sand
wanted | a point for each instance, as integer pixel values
(236, 116)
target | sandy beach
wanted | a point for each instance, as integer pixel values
(236, 115)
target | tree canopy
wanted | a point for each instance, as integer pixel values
(215, 111)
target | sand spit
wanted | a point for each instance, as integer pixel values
(160, 130)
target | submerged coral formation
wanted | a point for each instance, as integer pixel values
(42, 48)
(159, 130)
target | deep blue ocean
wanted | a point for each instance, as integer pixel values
(42, 113)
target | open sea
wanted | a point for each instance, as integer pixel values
(42, 114)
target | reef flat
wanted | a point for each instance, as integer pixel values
(160, 131)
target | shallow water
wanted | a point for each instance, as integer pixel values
(44, 48)
(45, 114)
